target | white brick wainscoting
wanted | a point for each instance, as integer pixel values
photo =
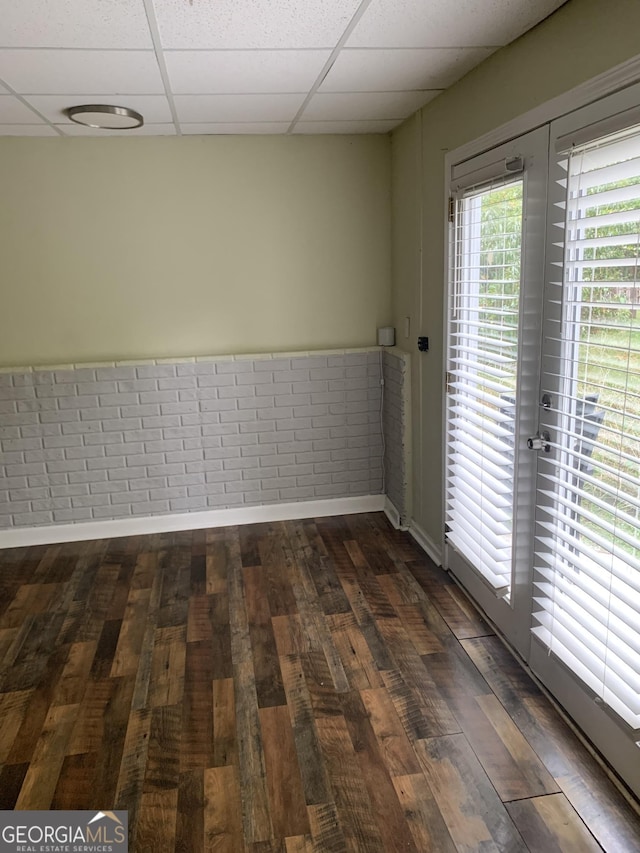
(396, 422)
(85, 444)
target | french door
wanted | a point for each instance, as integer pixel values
(498, 208)
(543, 417)
(586, 562)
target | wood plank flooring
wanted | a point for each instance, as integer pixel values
(309, 686)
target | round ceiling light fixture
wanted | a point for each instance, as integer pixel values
(105, 116)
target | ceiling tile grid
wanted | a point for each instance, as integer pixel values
(244, 66)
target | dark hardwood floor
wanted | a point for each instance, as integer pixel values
(283, 688)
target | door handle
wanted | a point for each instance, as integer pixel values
(540, 441)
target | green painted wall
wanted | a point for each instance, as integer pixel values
(132, 248)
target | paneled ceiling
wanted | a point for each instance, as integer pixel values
(243, 66)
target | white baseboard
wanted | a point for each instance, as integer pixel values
(393, 515)
(426, 543)
(82, 531)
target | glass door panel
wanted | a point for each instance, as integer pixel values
(586, 598)
(483, 379)
(497, 248)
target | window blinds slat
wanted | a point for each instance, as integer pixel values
(594, 600)
(553, 638)
(463, 364)
(600, 645)
(488, 457)
(485, 404)
(603, 263)
(602, 242)
(495, 518)
(598, 656)
(597, 176)
(463, 415)
(463, 377)
(496, 533)
(465, 344)
(462, 428)
(586, 539)
(574, 470)
(621, 515)
(500, 494)
(498, 514)
(468, 547)
(469, 452)
(587, 560)
(619, 599)
(605, 196)
(485, 482)
(468, 404)
(604, 219)
(488, 328)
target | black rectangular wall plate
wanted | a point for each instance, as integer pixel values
(423, 343)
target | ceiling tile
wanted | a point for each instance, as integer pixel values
(72, 129)
(154, 108)
(52, 72)
(208, 72)
(365, 105)
(236, 127)
(252, 23)
(26, 130)
(13, 111)
(75, 23)
(443, 23)
(401, 70)
(205, 109)
(345, 126)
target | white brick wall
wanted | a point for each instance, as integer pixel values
(121, 441)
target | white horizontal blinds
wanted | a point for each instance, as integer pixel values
(587, 568)
(482, 364)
